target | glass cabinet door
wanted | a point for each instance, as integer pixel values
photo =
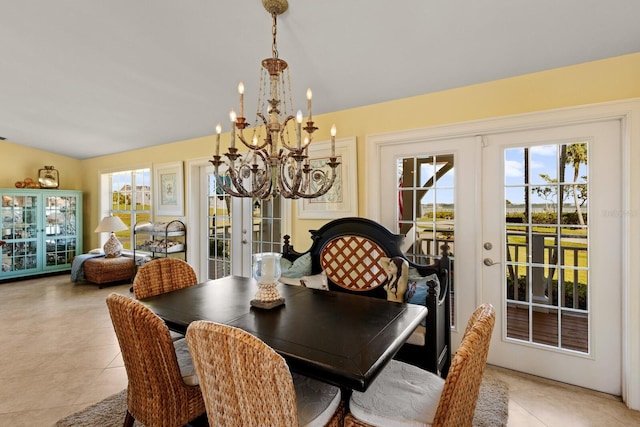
(19, 249)
(60, 229)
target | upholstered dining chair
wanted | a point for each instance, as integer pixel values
(163, 389)
(405, 395)
(246, 383)
(163, 275)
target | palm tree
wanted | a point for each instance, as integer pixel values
(576, 155)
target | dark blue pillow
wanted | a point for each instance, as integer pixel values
(417, 289)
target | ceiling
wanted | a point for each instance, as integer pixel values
(85, 78)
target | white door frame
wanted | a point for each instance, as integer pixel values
(628, 111)
(197, 239)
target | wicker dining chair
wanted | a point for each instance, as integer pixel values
(246, 383)
(163, 389)
(163, 275)
(406, 395)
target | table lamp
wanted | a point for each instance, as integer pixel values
(110, 224)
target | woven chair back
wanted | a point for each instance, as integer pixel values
(244, 382)
(460, 393)
(156, 394)
(163, 275)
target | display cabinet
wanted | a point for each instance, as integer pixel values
(41, 231)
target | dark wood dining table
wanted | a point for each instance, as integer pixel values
(335, 337)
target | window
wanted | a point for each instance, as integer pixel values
(127, 194)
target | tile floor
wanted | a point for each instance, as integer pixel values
(59, 354)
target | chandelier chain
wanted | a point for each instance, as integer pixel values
(274, 33)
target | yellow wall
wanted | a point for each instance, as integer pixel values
(599, 81)
(19, 162)
(594, 82)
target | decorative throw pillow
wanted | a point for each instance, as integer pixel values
(418, 288)
(285, 264)
(318, 281)
(289, 281)
(300, 267)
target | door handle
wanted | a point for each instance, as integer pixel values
(489, 262)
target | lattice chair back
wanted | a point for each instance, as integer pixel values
(353, 263)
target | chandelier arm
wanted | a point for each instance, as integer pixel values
(240, 135)
(326, 186)
(225, 188)
(262, 180)
(235, 188)
(236, 181)
(291, 187)
(282, 183)
(263, 119)
(260, 186)
(283, 140)
(327, 182)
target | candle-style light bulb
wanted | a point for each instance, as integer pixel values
(306, 150)
(333, 140)
(254, 142)
(299, 129)
(241, 92)
(232, 117)
(218, 131)
(309, 94)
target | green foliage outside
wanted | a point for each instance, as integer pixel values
(568, 218)
(523, 295)
(219, 248)
(440, 215)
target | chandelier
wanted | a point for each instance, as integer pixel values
(276, 160)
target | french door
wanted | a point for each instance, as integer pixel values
(236, 228)
(534, 233)
(552, 260)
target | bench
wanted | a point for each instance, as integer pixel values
(352, 252)
(107, 270)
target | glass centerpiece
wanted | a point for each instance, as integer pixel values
(267, 271)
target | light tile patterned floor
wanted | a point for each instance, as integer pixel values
(59, 354)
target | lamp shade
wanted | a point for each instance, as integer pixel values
(110, 224)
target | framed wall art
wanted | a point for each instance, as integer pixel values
(342, 199)
(168, 189)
